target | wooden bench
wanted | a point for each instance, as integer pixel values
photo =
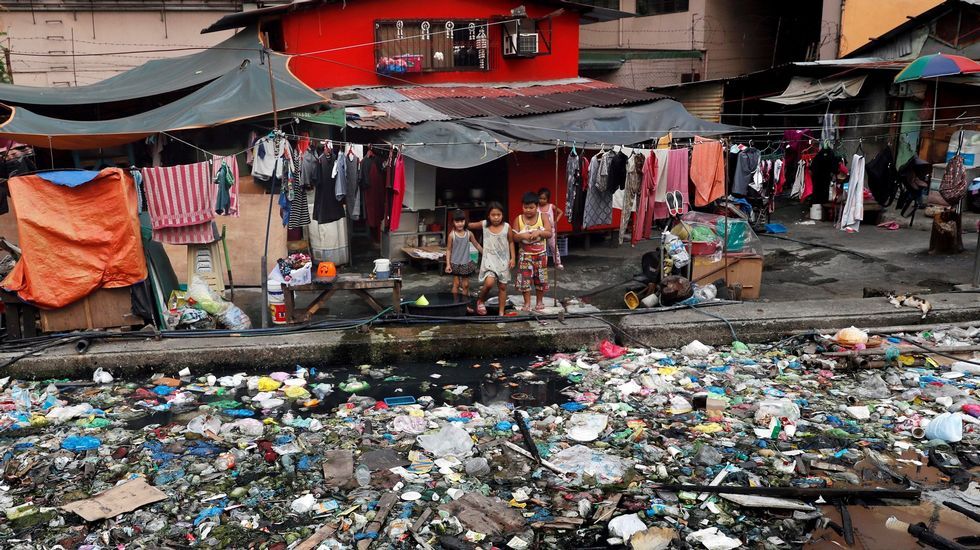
(358, 284)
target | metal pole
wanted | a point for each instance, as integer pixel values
(554, 230)
(935, 103)
(268, 221)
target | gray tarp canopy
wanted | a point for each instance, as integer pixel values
(241, 93)
(155, 77)
(802, 89)
(589, 127)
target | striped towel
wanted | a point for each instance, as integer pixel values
(181, 201)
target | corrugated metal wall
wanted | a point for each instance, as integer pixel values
(701, 100)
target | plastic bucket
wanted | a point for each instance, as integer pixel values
(382, 268)
(274, 290)
(816, 212)
(278, 313)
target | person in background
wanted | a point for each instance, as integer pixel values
(498, 259)
(531, 230)
(554, 214)
(458, 261)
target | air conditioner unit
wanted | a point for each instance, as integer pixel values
(522, 44)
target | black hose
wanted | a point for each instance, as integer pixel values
(719, 317)
(817, 245)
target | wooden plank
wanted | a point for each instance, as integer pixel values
(317, 537)
(319, 302)
(104, 308)
(396, 297)
(378, 308)
(384, 508)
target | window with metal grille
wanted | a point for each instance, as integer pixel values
(659, 7)
(408, 46)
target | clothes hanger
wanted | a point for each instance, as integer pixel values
(860, 147)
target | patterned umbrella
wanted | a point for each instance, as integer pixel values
(935, 66)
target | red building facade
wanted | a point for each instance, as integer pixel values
(335, 42)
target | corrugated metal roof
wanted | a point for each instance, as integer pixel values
(435, 92)
(382, 124)
(412, 112)
(380, 95)
(415, 104)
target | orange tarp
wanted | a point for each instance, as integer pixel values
(75, 240)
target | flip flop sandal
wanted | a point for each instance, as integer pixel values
(481, 309)
(539, 308)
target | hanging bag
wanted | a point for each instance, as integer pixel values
(954, 183)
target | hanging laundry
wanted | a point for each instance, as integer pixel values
(824, 171)
(883, 176)
(573, 175)
(226, 181)
(598, 200)
(331, 174)
(853, 212)
(660, 196)
(372, 181)
(745, 169)
(181, 201)
(643, 221)
(634, 180)
(707, 170)
(677, 174)
(581, 193)
(352, 195)
(397, 193)
(267, 155)
(617, 171)
(299, 211)
(778, 176)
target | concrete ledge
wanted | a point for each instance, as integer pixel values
(761, 322)
(388, 344)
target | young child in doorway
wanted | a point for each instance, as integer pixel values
(498, 257)
(531, 230)
(458, 260)
(554, 215)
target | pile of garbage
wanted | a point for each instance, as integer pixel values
(201, 308)
(690, 448)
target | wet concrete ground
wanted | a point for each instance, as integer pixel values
(601, 274)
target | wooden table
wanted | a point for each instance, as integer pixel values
(356, 283)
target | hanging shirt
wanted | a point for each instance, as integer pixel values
(573, 175)
(352, 195)
(745, 169)
(326, 207)
(617, 171)
(398, 192)
(660, 195)
(372, 183)
(644, 208)
(677, 178)
(853, 212)
(266, 152)
(707, 170)
(598, 200)
(634, 179)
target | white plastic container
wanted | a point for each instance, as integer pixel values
(382, 268)
(816, 212)
(947, 427)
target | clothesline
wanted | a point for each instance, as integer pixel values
(754, 133)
